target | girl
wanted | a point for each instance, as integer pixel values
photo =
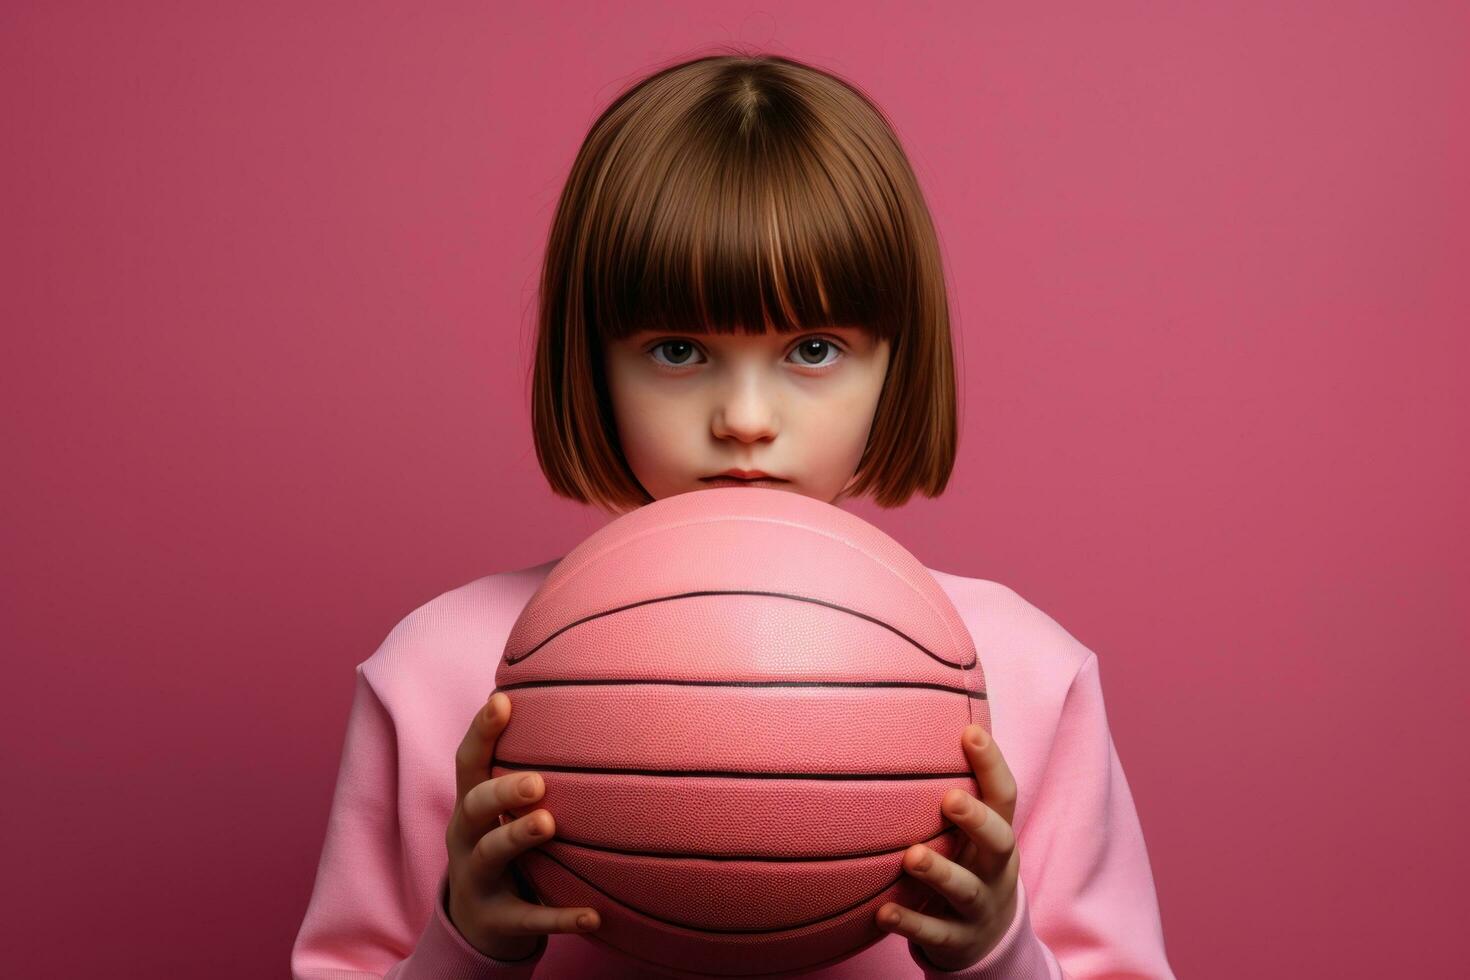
(742, 277)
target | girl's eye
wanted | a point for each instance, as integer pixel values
(680, 352)
(684, 348)
(821, 345)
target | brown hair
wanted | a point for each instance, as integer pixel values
(729, 194)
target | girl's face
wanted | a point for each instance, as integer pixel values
(797, 407)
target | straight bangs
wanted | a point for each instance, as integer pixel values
(728, 227)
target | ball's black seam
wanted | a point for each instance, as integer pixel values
(777, 595)
(677, 682)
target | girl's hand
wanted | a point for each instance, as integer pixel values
(980, 888)
(483, 902)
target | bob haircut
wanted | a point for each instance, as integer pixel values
(731, 194)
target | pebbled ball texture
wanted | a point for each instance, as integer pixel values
(746, 705)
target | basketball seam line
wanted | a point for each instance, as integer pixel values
(750, 858)
(647, 915)
(902, 576)
(778, 595)
(726, 773)
(669, 682)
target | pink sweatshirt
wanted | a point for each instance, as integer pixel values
(1086, 904)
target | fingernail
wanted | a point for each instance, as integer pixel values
(584, 922)
(978, 738)
(527, 786)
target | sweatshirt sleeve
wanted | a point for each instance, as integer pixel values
(362, 921)
(1086, 906)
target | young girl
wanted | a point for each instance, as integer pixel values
(742, 277)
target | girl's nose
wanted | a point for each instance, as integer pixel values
(746, 413)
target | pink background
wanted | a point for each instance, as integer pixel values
(269, 272)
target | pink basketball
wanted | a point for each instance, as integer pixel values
(746, 704)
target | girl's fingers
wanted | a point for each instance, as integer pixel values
(490, 804)
(958, 885)
(992, 772)
(925, 929)
(477, 748)
(990, 841)
(481, 861)
(495, 850)
(510, 915)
